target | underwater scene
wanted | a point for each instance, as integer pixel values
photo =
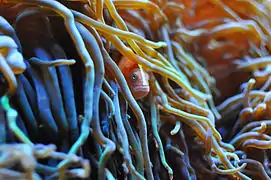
(135, 89)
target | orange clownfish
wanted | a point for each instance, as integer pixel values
(136, 77)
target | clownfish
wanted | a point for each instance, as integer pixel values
(136, 77)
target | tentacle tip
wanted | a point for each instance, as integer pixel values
(162, 44)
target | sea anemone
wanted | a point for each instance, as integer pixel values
(117, 89)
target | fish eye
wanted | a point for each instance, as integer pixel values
(134, 77)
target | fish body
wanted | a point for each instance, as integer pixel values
(136, 77)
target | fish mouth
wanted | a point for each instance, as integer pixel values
(141, 89)
(140, 92)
